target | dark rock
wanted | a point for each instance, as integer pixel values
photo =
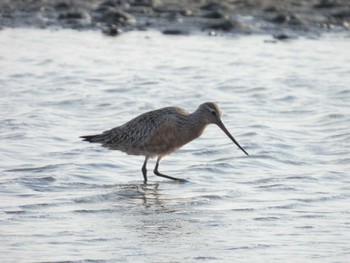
(211, 7)
(296, 20)
(142, 3)
(73, 15)
(147, 3)
(281, 36)
(280, 18)
(326, 4)
(343, 14)
(116, 16)
(225, 25)
(270, 9)
(214, 15)
(173, 32)
(64, 5)
(110, 3)
(112, 30)
(289, 19)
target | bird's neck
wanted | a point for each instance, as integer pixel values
(197, 123)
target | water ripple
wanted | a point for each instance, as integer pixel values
(63, 200)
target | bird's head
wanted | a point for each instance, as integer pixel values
(211, 113)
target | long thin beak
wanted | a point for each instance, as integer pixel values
(222, 126)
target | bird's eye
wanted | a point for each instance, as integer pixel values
(213, 112)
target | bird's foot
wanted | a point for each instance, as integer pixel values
(170, 177)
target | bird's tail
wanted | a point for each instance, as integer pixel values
(99, 138)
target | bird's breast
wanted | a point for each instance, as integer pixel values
(168, 138)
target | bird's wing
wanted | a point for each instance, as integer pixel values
(140, 129)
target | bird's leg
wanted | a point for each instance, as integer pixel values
(163, 175)
(144, 170)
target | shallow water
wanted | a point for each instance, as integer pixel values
(286, 103)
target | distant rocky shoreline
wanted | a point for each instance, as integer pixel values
(281, 18)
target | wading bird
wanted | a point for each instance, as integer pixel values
(160, 132)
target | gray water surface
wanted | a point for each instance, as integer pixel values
(286, 103)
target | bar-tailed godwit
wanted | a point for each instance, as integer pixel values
(160, 132)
